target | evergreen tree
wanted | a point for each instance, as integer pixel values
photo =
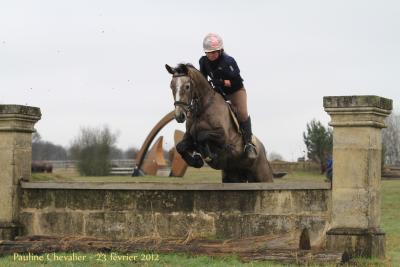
(318, 141)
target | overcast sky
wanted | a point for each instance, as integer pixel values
(95, 63)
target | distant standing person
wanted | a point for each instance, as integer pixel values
(224, 75)
(329, 170)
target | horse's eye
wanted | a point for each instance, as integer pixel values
(187, 87)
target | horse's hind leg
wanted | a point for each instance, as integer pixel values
(232, 176)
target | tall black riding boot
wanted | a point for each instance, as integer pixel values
(249, 147)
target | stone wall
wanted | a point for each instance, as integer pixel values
(346, 216)
(126, 211)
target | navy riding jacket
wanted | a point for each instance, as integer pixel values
(224, 68)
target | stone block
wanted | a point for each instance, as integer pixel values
(359, 171)
(355, 208)
(85, 199)
(164, 201)
(357, 101)
(37, 199)
(9, 230)
(120, 200)
(293, 201)
(355, 242)
(141, 224)
(61, 223)
(357, 138)
(181, 225)
(27, 220)
(243, 201)
(111, 225)
(236, 225)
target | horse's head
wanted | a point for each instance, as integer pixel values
(182, 90)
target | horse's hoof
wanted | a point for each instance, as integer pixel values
(208, 159)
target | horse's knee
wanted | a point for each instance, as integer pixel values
(202, 136)
(182, 147)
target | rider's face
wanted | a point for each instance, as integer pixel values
(214, 55)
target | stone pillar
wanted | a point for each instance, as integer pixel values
(16, 127)
(357, 122)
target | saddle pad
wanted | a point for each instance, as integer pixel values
(234, 117)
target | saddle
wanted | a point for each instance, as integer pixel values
(233, 114)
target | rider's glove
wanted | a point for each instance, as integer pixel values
(218, 83)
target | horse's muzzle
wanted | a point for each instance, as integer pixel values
(180, 115)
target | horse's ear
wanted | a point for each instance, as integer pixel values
(169, 69)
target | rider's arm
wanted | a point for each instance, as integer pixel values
(232, 72)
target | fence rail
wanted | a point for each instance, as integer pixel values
(117, 163)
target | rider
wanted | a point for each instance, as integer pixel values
(225, 77)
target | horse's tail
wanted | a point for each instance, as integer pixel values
(262, 156)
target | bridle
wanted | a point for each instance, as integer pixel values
(191, 106)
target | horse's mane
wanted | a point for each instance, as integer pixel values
(201, 84)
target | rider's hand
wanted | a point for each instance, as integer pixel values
(218, 83)
(227, 83)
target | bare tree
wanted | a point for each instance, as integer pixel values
(274, 156)
(130, 153)
(391, 140)
(92, 148)
(45, 150)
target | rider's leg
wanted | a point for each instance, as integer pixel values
(239, 101)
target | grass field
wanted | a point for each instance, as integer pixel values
(390, 223)
(203, 175)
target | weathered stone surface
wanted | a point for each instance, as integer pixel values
(181, 225)
(164, 201)
(141, 224)
(61, 223)
(16, 126)
(110, 224)
(9, 230)
(27, 220)
(125, 214)
(357, 149)
(356, 242)
(120, 200)
(357, 101)
(20, 110)
(293, 201)
(227, 201)
(37, 199)
(90, 199)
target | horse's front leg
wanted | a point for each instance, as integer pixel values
(206, 152)
(185, 148)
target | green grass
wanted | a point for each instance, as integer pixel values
(155, 260)
(390, 221)
(192, 175)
